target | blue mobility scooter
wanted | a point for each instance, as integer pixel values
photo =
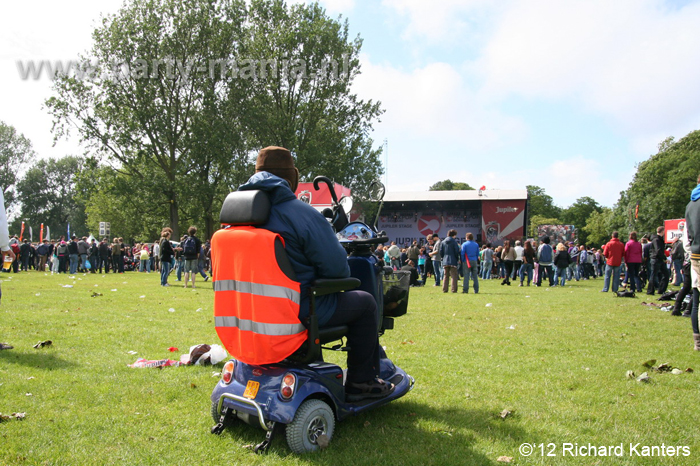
(303, 393)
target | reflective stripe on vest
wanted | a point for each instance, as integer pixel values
(259, 327)
(270, 291)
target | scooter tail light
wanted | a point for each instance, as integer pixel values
(227, 372)
(289, 383)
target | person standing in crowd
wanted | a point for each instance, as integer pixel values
(43, 253)
(144, 264)
(687, 280)
(83, 250)
(613, 251)
(450, 261)
(94, 255)
(166, 256)
(394, 254)
(544, 259)
(25, 253)
(528, 263)
(633, 261)
(422, 258)
(73, 256)
(518, 262)
(436, 259)
(62, 252)
(692, 244)
(470, 263)
(573, 267)
(412, 252)
(486, 262)
(191, 248)
(677, 258)
(657, 258)
(4, 247)
(105, 253)
(508, 258)
(561, 261)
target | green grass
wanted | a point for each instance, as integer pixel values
(560, 371)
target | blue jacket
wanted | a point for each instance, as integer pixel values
(311, 244)
(471, 250)
(450, 251)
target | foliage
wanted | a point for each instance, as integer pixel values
(15, 154)
(598, 228)
(449, 185)
(661, 185)
(541, 204)
(47, 194)
(578, 213)
(196, 96)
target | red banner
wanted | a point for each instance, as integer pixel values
(673, 229)
(21, 233)
(41, 234)
(502, 220)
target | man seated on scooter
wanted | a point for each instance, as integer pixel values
(314, 252)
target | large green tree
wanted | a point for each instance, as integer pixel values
(15, 154)
(449, 185)
(47, 193)
(203, 84)
(542, 204)
(661, 186)
(598, 228)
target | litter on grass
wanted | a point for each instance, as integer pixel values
(67, 286)
(203, 355)
(141, 363)
(172, 309)
(489, 304)
(16, 416)
(41, 344)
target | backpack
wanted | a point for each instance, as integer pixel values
(189, 246)
(546, 253)
(583, 257)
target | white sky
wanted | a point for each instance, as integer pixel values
(566, 95)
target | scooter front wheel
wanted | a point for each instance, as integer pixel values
(312, 427)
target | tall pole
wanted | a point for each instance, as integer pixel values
(386, 164)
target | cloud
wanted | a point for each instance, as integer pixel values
(435, 102)
(632, 61)
(336, 7)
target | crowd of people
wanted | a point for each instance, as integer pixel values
(188, 257)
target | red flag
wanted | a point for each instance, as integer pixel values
(636, 211)
(482, 188)
(41, 234)
(21, 232)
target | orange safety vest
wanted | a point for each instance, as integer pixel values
(256, 306)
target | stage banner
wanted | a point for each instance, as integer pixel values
(41, 233)
(503, 219)
(406, 227)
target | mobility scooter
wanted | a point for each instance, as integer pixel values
(303, 393)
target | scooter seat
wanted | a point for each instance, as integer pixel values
(328, 334)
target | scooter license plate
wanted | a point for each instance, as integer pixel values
(251, 389)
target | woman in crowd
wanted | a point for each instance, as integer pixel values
(528, 263)
(166, 257)
(633, 262)
(508, 258)
(561, 261)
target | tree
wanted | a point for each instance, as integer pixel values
(448, 185)
(303, 99)
(578, 213)
(142, 87)
(15, 154)
(541, 204)
(202, 85)
(598, 227)
(47, 195)
(661, 186)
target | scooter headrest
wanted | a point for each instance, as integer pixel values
(245, 208)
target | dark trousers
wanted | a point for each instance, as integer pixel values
(358, 310)
(658, 272)
(545, 270)
(687, 286)
(633, 276)
(104, 261)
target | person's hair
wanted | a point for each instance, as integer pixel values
(452, 232)
(546, 240)
(506, 246)
(561, 247)
(164, 233)
(192, 231)
(615, 234)
(528, 246)
(633, 235)
(518, 243)
(435, 235)
(659, 230)
(470, 236)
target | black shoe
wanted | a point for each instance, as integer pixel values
(5, 346)
(376, 388)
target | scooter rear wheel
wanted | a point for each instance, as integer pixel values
(313, 419)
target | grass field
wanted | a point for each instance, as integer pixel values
(555, 358)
